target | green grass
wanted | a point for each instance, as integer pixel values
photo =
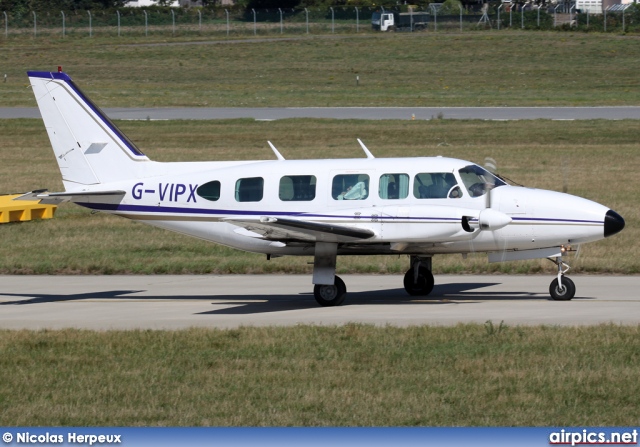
(401, 69)
(354, 375)
(598, 160)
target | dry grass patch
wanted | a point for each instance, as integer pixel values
(355, 375)
(396, 69)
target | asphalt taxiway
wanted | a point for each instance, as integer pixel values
(177, 302)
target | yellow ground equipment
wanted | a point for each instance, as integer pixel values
(23, 210)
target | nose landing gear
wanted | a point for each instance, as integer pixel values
(561, 288)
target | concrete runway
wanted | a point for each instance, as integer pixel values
(176, 302)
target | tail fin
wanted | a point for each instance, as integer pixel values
(89, 148)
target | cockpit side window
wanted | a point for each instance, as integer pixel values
(478, 180)
(350, 187)
(436, 185)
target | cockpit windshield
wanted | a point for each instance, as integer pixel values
(478, 180)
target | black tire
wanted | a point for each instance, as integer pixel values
(327, 295)
(423, 286)
(565, 293)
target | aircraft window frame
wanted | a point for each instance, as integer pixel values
(350, 186)
(252, 191)
(477, 180)
(207, 194)
(302, 188)
(436, 186)
(394, 190)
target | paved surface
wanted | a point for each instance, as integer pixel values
(367, 113)
(174, 302)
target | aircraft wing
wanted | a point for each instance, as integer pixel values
(285, 229)
(54, 198)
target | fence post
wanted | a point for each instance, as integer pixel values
(435, 19)
(280, 10)
(306, 13)
(226, 11)
(555, 15)
(623, 21)
(332, 20)
(587, 19)
(499, 7)
(6, 25)
(173, 21)
(511, 15)
(571, 9)
(199, 20)
(255, 33)
(118, 12)
(539, 6)
(460, 6)
(90, 30)
(605, 20)
(146, 23)
(357, 21)
(63, 30)
(35, 27)
(522, 17)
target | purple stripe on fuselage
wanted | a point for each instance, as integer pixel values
(192, 211)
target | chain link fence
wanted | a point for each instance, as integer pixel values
(229, 22)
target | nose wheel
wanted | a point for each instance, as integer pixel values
(561, 288)
(562, 291)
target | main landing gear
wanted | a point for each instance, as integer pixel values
(561, 288)
(418, 281)
(329, 289)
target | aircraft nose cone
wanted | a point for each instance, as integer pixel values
(613, 223)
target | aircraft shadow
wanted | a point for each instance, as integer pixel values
(459, 293)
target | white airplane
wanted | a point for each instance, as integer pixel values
(419, 207)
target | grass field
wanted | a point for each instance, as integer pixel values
(354, 375)
(401, 69)
(598, 160)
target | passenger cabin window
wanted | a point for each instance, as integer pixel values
(436, 185)
(350, 187)
(209, 191)
(478, 180)
(393, 186)
(249, 189)
(297, 188)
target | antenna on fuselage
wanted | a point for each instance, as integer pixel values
(364, 148)
(275, 151)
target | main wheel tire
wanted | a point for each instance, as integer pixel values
(423, 286)
(564, 293)
(330, 295)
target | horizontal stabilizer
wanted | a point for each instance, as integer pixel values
(55, 198)
(276, 228)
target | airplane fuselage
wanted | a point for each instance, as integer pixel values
(412, 220)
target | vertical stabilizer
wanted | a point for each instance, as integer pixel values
(89, 148)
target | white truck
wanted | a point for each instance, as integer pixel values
(399, 21)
